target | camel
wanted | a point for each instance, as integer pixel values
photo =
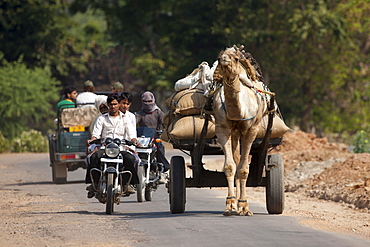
(238, 108)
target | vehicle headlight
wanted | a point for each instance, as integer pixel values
(112, 150)
(144, 141)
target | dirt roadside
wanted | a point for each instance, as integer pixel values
(326, 186)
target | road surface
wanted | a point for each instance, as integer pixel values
(40, 213)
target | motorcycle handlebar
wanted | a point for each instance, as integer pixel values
(102, 141)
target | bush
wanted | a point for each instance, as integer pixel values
(361, 142)
(4, 144)
(27, 96)
(30, 141)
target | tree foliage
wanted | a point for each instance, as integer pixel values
(27, 96)
(46, 35)
(314, 53)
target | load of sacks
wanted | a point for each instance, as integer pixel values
(184, 120)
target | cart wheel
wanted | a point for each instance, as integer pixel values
(177, 185)
(275, 184)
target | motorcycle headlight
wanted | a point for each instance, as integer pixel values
(144, 141)
(112, 150)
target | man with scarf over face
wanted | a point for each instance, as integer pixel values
(150, 115)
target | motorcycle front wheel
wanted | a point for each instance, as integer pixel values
(110, 198)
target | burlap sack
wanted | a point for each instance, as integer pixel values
(189, 127)
(187, 102)
(164, 136)
(278, 127)
(71, 117)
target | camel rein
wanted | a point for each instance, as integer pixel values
(256, 90)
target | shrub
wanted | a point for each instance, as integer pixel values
(4, 144)
(30, 141)
(361, 141)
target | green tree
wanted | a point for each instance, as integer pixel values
(309, 53)
(177, 33)
(314, 53)
(45, 34)
(27, 96)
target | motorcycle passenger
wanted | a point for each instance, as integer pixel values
(126, 100)
(150, 115)
(113, 124)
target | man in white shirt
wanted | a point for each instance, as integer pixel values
(87, 98)
(113, 124)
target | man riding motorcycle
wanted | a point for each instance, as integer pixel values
(150, 115)
(113, 124)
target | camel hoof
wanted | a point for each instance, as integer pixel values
(227, 213)
(245, 213)
(234, 212)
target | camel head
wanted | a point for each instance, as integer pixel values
(228, 64)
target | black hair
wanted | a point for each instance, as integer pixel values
(113, 96)
(127, 96)
(68, 90)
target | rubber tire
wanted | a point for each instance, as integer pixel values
(140, 187)
(275, 194)
(148, 194)
(58, 170)
(109, 205)
(59, 173)
(177, 185)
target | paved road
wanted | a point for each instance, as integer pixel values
(151, 223)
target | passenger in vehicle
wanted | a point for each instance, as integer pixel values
(70, 94)
(87, 98)
(117, 87)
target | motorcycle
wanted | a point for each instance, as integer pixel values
(149, 170)
(110, 188)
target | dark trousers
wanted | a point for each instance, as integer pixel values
(161, 156)
(128, 162)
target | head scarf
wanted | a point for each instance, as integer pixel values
(101, 99)
(148, 107)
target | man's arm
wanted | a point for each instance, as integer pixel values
(98, 128)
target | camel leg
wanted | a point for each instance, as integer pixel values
(229, 170)
(243, 172)
(236, 156)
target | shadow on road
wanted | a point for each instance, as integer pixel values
(147, 215)
(45, 182)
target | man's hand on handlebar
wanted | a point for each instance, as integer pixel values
(88, 141)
